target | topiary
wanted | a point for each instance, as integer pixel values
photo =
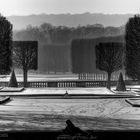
(120, 84)
(13, 80)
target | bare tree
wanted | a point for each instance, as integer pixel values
(109, 58)
(25, 54)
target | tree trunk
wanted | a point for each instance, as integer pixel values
(109, 80)
(78, 76)
(25, 83)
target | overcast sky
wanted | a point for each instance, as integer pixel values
(26, 7)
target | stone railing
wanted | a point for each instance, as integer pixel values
(63, 84)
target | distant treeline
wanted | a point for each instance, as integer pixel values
(54, 42)
(49, 34)
(54, 58)
(57, 57)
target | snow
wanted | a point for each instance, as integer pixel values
(39, 77)
(56, 91)
(25, 113)
(74, 107)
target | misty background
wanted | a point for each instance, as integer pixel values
(54, 23)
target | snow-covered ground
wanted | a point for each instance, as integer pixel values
(62, 91)
(41, 77)
(43, 114)
(83, 107)
(75, 107)
(25, 113)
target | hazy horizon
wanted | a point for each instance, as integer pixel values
(36, 7)
(69, 14)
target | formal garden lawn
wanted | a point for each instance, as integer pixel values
(51, 114)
